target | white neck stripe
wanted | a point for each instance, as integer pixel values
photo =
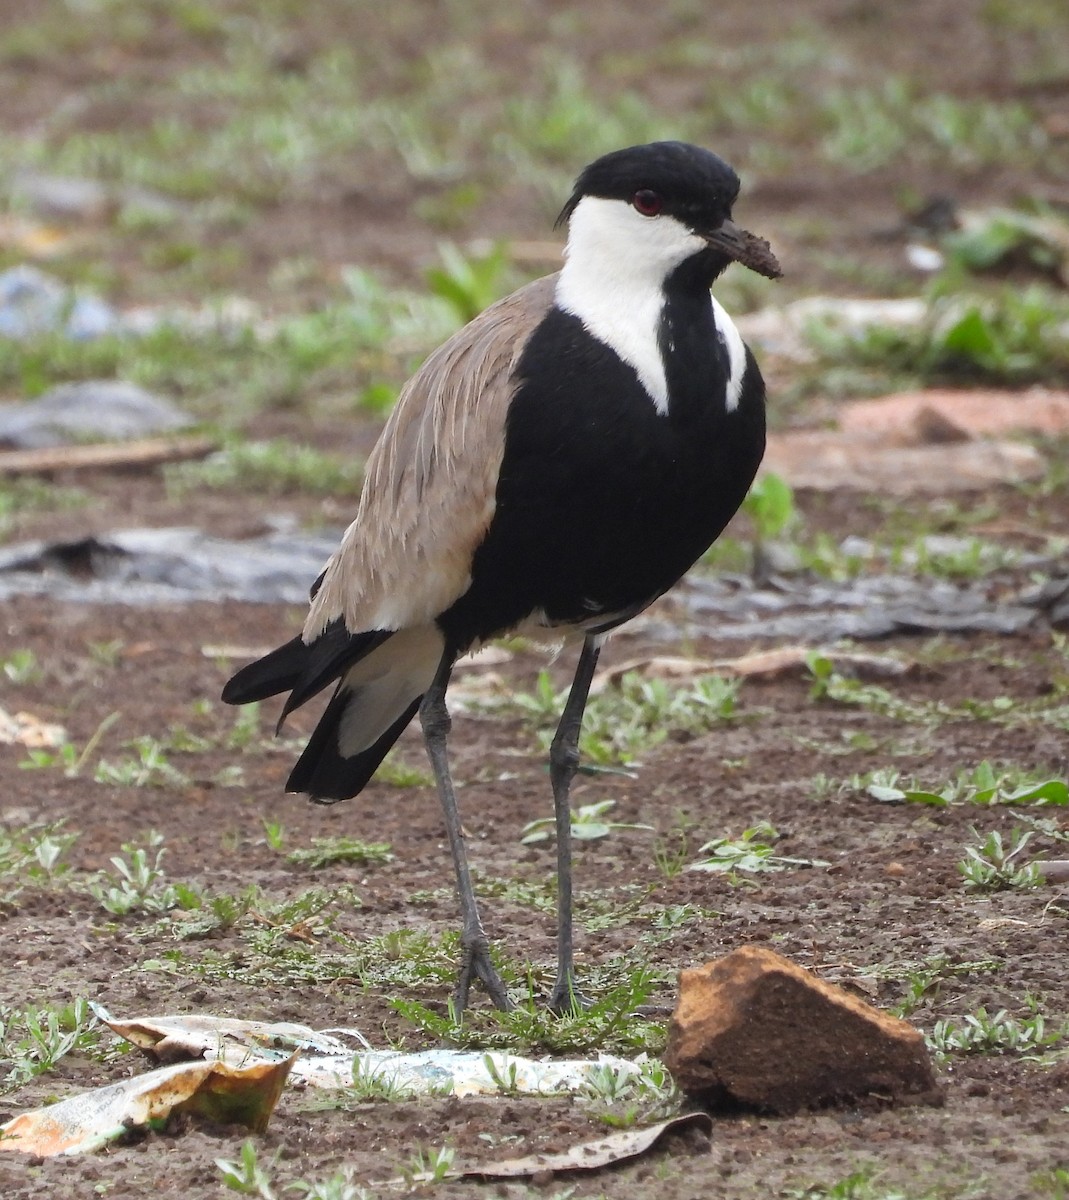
(736, 348)
(616, 263)
(613, 278)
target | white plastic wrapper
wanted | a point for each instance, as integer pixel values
(330, 1058)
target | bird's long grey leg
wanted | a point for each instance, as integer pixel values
(475, 959)
(563, 762)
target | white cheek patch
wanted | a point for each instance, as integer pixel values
(613, 278)
(732, 342)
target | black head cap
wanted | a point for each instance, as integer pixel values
(694, 185)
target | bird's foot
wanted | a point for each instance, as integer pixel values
(566, 998)
(475, 964)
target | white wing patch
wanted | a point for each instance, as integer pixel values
(385, 683)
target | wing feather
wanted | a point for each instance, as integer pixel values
(428, 495)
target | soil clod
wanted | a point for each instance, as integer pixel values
(755, 1030)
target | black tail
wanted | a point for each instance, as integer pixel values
(268, 676)
(323, 772)
(302, 669)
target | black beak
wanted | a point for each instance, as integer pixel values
(744, 247)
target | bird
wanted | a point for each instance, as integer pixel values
(550, 470)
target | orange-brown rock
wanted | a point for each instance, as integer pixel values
(755, 1030)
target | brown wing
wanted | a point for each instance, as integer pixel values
(428, 495)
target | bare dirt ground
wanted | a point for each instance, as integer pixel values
(888, 911)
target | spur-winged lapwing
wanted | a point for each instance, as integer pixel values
(552, 469)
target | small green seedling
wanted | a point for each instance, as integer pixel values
(34, 1040)
(608, 1084)
(33, 856)
(504, 1080)
(982, 785)
(1053, 1183)
(39, 759)
(627, 720)
(139, 884)
(611, 1023)
(989, 866)
(245, 732)
(21, 666)
(325, 851)
(671, 851)
(468, 283)
(206, 915)
(339, 1186)
(587, 825)
(859, 1185)
(247, 1175)
(106, 654)
(770, 504)
(981, 1033)
(148, 767)
(432, 1165)
(751, 852)
(376, 1083)
(66, 755)
(677, 916)
(621, 1097)
(924, 980)
(395, 772)
(274, 833)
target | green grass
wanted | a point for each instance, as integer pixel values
(147, 766)
(830, 686)
(587, 824)
(869, 127)
(396, 772)
(353, 350)
(1054, 1183)
(992, 863)
(20, 666)
(981, 1032)
(1010, 335)
(32, 856)
(610, 1024)
(145, 761)
(925, 539)
(752, 852)
(22, 497)
(625, 721)
(276, 467)
(138, 884)
(984, 784)
(325, 851)
(868, 1183)
(261, 106)
(246, 1175)
(292, 944)
(925, 982)
(33, 1040)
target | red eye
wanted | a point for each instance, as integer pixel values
(647, 203)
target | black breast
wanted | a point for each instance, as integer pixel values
(603, 502)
